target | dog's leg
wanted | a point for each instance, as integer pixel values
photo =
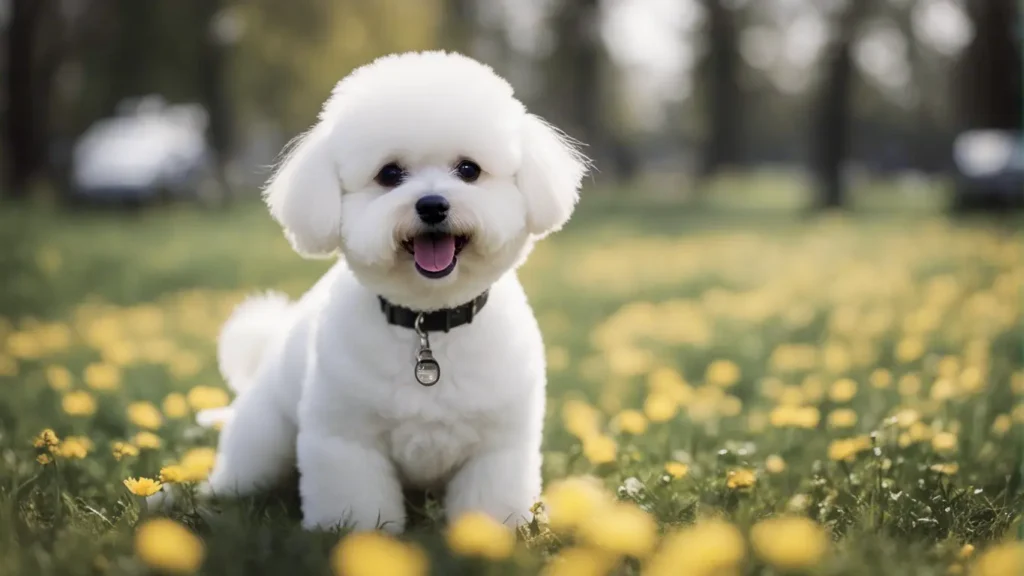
(343, 483)
(503, 484)
(256, 449)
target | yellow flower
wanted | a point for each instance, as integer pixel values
(147, 441)
(710, 547)
(59, 378)
(660, 407)
(799, 417)
(909, 385)
(44, 459)
(621, 529)
(909, 349)
(907, 417)
(173, 474)
(677, 469)
(122, 449)
(847, 449)
(944, 442)
(47, 439)
(580, 419)
(774, 464)
(165, 545)
(145, 415)
(599, 449)
(78, 403)
(476, 534)
(580, 562)
(74, 447)
(1002, 560)
(175, 405)
(557, 359)
(142, 486)
(377, 554)
(569, 501)
(631, 422)
(102, 376)
(198, 462)
(207, 398)
(8, 365)
(880, 378)
(842, 390)
(789, 543)
(947, 469)
(966, 552)
(842, 418)
(740, 478)
(724, 373)
(1001, 425)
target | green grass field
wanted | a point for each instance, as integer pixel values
(710, 369)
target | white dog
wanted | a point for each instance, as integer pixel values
(432, 181)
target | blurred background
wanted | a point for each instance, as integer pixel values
(128, 101)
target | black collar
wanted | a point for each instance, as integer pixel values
(441, 320)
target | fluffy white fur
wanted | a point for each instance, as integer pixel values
(325, 383)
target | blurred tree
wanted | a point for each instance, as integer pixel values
(458, 31)
(831, 127)
(990, 93)
(722, 95)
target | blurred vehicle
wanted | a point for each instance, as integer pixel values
(148, 152)
(989, 169)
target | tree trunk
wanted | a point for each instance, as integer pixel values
(575, 77)
(830, 138)
(990, 68)
(25, 126)
(458, 26)
(723, 105)
(214, 94)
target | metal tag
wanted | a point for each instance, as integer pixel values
(427, 371)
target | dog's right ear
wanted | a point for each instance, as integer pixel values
(304, 196)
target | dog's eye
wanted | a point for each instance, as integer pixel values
(390, 175)
(468, 170)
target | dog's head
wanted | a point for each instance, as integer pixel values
(429, 177)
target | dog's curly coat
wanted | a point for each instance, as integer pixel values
(325, 383)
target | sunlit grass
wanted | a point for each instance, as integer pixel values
(728, 394)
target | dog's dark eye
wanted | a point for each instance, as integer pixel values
(390, 175)
(468, 170)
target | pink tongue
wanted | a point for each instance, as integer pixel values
(433, 253)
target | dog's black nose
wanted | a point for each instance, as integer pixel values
(432, 209)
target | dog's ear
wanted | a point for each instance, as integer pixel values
(304, 196)
(550, 176)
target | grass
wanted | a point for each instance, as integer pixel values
(862, 372)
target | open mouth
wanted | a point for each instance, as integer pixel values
(435, 253)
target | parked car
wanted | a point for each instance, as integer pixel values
(990, 170)
(150, 151)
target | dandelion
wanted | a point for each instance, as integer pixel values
(909, 385)
(147, 441)
(165, 545)
(948, 469)
(8, 365)
(880, 378)
(375, 554)
(207, 398)
(142, 486)
(966, 551)
(102, 376)
(789, 543)
(571, 500)
(621, 529)
(599, 449)
(59, 378)
(579, 561)
(907, 417)
(660, 407)
(46, 439)
(476, 534)
(78, 403)
(677, 469)
(1002, 560)
(631, 422)
(842, 418)
(847, 449)
(198, 462)
(1001, 425)
(122, 449)
(842, 390)
(724, 373)
(942, 390)
(74, 447)
(44, 459)
(710, 547)
(580, 419)
(173, 474)
(774, 464)
(557, 359)
(909, 350)
(175, 405)
(740, 479)
(944, 442)
(145, 415)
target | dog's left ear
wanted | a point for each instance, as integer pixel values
(550, 176)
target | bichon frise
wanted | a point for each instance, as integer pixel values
(416, 361)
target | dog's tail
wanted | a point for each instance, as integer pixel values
(246, 334)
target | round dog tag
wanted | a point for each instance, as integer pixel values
(428, 372)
